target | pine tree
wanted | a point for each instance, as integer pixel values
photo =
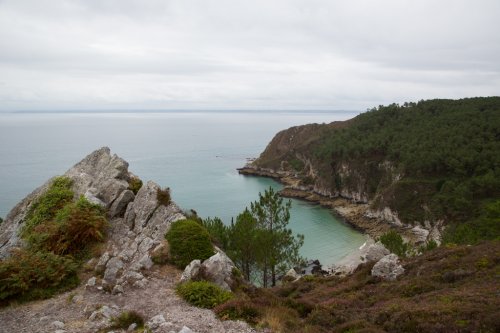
(276, 242)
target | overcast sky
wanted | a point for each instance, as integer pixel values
(251, 54)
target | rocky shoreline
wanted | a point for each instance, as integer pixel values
(353, 213)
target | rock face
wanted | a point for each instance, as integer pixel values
(388, 268)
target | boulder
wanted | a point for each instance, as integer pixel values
(388, 268)
(419, 235)
(192, 271)
(185, 329)
(113, 267)
(156, 322)
(291, 275)
(219, 270)
(375, 252)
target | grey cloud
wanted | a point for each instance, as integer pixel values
(245, 54)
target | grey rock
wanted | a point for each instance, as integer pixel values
(113, 267)
(91, 282)
(219, 270)
(140, 284)
(77, 299)
(119, 206)
(388, 268)
(107, 175)
(192, 271)
(105, 312)
(90, 196)
(419, 235)
(292, 274)
(132, 327)
(59, 331)
(145, 262)
(57, 324)
(376, 251)
(185, 329)
(156, 322)
(101, 264)
(117, 289)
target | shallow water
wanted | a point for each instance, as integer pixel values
(194, 153)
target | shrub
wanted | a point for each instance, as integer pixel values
(430, 245)
(134, 184)
(73, 229)
(163, 196)
(394, 243)
(33, 275)
(188, 240)
(203, 294)
(1, 220)
(48, 204)
(127, 318)
(238, 310)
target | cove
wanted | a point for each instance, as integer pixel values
(196, 154)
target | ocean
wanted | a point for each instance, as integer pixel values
(194, 153)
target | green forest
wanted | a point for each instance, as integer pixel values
(445, 152)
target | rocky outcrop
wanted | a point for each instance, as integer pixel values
(388, 268)
(100, 177)
(137, 222)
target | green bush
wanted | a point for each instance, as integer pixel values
(236, 309)
(203, 294)
(163, 196)
(134, 184)
(48, 204)
(75, 227)
(394, 243)
(127, 318)
(188, 240)
(33, 275)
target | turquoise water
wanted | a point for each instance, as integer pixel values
(194, 153)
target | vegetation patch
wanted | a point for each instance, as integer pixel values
(48, 204)
(59, 234)
(134, 184)
(448, 289)
(75, 227)
(394, 243)
(237, 309)
(163, 196)
(127, 318)
(203, 294)
(28, 275)
(188, 240)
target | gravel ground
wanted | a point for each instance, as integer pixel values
(86, 310)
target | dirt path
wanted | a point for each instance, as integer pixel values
(74, 309)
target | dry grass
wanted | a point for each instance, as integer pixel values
(449, 289)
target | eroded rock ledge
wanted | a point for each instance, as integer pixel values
(356, 213)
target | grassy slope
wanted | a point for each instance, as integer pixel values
(449, 289)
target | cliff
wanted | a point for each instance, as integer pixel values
(416, 167)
